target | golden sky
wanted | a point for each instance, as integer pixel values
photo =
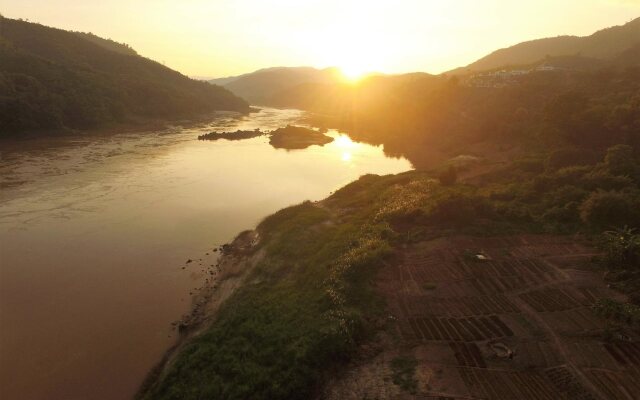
(227, 37)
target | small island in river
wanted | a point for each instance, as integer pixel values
(290, 137)
(237, 135)
(297, 137)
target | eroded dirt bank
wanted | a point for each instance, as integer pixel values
(225, 277)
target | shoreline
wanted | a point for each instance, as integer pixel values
(133, 126)
(237, 261)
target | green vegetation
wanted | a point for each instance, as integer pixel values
(403, 373)
(622, 259)
(622, 249)
(297, 137)
(430, 286)
(554, 152)
(308, 303)
(300, 314)
(601, 45)
(625, 313)
(52, 79)
(449, 176)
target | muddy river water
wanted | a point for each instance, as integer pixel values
(95, 230)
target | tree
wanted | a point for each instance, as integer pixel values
(609, 209)
(620, 161)
(621, 249)
(448, 177)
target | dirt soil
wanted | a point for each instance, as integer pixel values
(495, 318)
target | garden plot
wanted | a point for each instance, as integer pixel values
(515, 323)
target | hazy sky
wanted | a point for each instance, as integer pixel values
(225, 37)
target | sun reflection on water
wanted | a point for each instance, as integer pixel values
(346, 147)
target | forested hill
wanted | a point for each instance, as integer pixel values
(261, 86)
(604, 44)
(51, 79)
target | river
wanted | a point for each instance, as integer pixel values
(95, 232)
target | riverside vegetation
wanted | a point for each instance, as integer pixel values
(309, 303)
(53, 80)
(554, 152)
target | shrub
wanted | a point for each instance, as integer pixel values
(621, 249)
(448, 177)
(460, 209)
(600, 178)
(622, 312)
(564, 195)
(569, 157)
(404, 370)
(533, 165)
(619, 160)
(608, 209)
(567, 214)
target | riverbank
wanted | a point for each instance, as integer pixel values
(132, 126)
(102, 225)
(416, 285)
(224, 278)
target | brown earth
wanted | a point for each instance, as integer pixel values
(517, 325)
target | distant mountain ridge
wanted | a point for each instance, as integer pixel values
(604, 45)
(52, 79)
(260, 86)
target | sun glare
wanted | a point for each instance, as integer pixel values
(352, 73)
(344, 142)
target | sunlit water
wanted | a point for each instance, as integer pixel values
(94, 233)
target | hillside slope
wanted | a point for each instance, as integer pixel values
(604, 44)
(53, 79)
(258, 87)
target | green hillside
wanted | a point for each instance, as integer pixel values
(51, 79)
(604, 44)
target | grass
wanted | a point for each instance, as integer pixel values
(302, 314)
(403, 371)
(308, 304)
(430, 286)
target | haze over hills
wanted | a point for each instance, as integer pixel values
(326, 90)
(53, 79)
(604, 44)
(471, 274)
(260, 86)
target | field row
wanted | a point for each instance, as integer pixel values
(555, 299)
(592, 354)
(617, 385)
(488, 286)
(509, 241)
(467, 354)
(503, 385)
(507, 275)
(574, 322)
(537, 354)
(455, 307)
(567, 384)
(625, 354)
(454, 329)
(548, 250)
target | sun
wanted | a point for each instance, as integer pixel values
(352, 73)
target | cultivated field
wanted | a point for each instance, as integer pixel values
(494, 318)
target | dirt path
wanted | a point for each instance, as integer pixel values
(516, 325)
